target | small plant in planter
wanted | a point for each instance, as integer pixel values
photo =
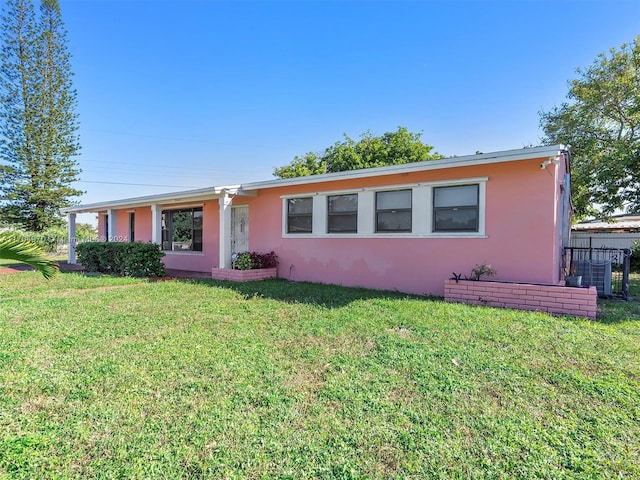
(476, 273)
(480, 270)
(573, 279)
(255, 260)
(243, 261)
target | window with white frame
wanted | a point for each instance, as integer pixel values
(342, 213)
(393, 211)
(300, 215)
(182, 230)
(456, 208)
(451, 208)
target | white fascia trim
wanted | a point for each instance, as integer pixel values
(387, 187)
(465, 161)
(200, 194)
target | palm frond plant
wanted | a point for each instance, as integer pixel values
(15, 248)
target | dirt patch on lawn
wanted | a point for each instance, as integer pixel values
(15, 269)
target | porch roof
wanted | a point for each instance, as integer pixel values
(200, 194)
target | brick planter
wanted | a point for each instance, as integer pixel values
(580, 302)
(243, 275)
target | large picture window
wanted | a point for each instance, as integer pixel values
(455, 208)
(300, 215)
(393, 211)
(182, 230)
(342, 211)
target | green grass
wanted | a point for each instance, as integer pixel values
(116, 378)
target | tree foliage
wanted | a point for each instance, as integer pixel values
(601, 121)
(13, 247)
(392, 148)
(38, 122)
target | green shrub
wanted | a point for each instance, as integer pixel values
(126, 259)
(251, 260)
(243, 262)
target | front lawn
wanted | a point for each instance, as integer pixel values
(119, 378)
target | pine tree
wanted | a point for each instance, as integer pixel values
(38, 122)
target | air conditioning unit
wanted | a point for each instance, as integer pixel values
(596, 273)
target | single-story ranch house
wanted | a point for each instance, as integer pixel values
(402, 227)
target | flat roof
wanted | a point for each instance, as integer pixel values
(215, 192)
(467, 160)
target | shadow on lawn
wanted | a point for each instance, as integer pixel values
(332, 296)
(328, 296)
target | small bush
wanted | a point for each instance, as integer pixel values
(125, 259)
(480, 270)
(243, 262)
(254, 260)
(264, 260)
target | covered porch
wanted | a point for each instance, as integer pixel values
(147, 218)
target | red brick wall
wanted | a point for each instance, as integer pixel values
(581, 302)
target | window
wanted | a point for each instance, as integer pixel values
(393, 211)
(132, 226)
(342, 213)
(182, 230)
(455, 208)
(299, 215)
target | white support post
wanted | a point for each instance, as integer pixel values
(225, 231)
(156, 224)
(111, 219)
(71, 259)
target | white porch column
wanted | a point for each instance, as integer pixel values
(156, 224)
(71, 259)
(111, 220)
(225, 231)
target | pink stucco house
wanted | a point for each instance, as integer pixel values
(403, 227)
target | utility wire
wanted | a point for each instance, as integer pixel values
(137, 184)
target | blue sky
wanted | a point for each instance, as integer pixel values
(199, 93)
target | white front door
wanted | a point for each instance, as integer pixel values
(240, 229)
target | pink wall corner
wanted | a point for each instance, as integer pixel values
(561, 215)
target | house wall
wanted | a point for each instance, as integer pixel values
(142, 224)
(521, 240)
